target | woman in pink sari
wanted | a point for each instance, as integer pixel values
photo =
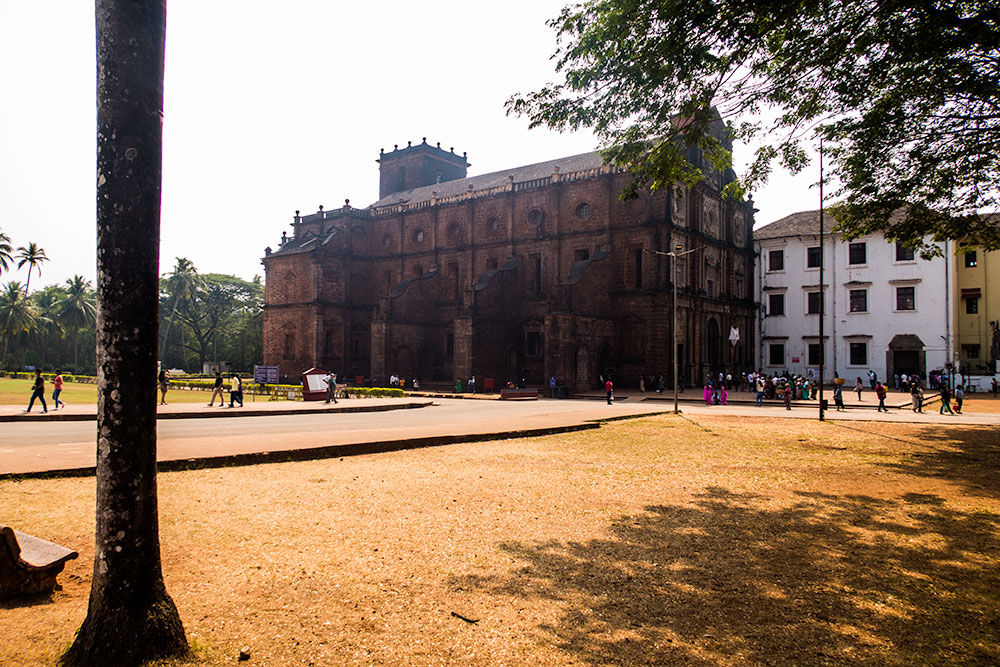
(708, 394)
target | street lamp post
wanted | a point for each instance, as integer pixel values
(675, 255)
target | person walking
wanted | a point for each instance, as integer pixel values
(164, 381)
(723, 396)
(218, 391)
(57, 387)
(38, 391)
(872, 378)
(858, 388)
(880, 392)
(916, 395)
(838, 396)
(236, 390)
(959, 399)
(609, 387)
(331, 387)
(945, 401)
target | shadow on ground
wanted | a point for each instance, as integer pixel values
(828, 580)
(968, 456)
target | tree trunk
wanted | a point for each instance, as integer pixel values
(131, 618)
(76, 348)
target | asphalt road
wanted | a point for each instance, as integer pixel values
(39, 445)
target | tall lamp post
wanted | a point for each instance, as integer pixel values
(675, 254)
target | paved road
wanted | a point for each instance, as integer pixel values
(39, 445)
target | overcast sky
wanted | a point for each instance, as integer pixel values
(272, 107)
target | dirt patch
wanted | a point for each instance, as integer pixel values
(663, 540)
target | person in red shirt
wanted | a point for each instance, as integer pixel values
(57, 384)
(881, 393)
(610, 388)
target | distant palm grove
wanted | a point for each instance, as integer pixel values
(203, 317)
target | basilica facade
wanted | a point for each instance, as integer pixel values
(524, 274)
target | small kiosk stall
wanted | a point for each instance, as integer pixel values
(314, 385)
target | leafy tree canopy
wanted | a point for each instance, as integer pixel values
(906, 97)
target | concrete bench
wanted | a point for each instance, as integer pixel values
(511, 394)
(29, 564)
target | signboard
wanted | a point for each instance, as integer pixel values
(795, 360)
(265, 374)
(316, 383)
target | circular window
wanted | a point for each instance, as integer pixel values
(583, 211)
(454, 231)
(535, 217)
(493, 223)
(418, 235)
(387, 241)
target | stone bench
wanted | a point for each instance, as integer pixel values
(29, 564)
(511, 394)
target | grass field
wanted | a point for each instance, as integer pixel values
(18, 392)
(655, 541)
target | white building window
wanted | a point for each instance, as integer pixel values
(858, 300)
(857, 253)
(857, 353)
(775, 304)
(776, 354)
(813, 301)
(906, 298)
(776, 260)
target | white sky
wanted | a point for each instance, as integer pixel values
(272, 107)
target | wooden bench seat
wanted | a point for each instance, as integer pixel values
(29, 564)
(516, 394)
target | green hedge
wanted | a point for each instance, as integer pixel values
(207, 384)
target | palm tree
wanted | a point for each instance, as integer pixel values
(131, 618)
(5, 249)
(33, 256)
(77, 310)
(17, 315)
(183, 283)
(47, 302)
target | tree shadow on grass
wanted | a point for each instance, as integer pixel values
(829, 580)
(969, 456)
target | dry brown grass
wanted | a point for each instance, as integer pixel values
(656, 541)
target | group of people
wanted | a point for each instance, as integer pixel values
(38, 391)
(235, 388)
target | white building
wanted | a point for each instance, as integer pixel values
(884, 309)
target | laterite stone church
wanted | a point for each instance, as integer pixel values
(521, 274)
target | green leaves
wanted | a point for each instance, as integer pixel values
(906, 98)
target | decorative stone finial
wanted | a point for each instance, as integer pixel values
(347, 203)
(320, 208)
(381, 151)
(409, 143)
(452, 149)
(439, 144)
(395, 147)
(425, 140)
